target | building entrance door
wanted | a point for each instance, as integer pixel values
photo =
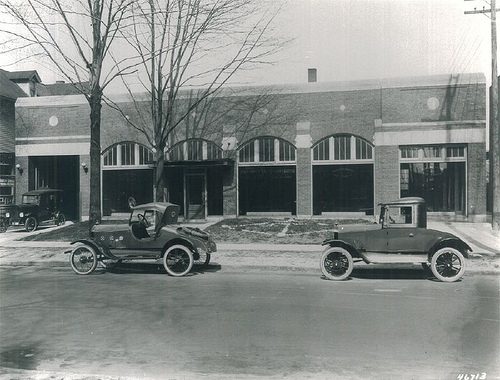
(195, 193)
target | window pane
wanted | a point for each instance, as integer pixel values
(110, 157)
(456, 151)
(128, 154)
(247, 153)
(432, 152)
(321, 151)
(363, 150)
(266, 149)
(409, 152)
(195, 150)
(213, 151)
(287, 151)
(342, 148)
(441, 184)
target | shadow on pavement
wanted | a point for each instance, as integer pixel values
(154, 268)
(374, 272)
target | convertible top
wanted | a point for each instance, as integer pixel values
(169, 211)
(157, 206)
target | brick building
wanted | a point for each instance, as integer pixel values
(9, 92)
(310, 149)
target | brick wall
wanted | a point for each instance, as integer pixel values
(21, 179)
(434, 103)
(386, 174)
(476, 179)
(304, 182)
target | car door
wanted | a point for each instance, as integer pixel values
(140, 246)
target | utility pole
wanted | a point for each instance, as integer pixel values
(494, 153)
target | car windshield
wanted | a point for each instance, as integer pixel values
(31, 199)
(152, 217)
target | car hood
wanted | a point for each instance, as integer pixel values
(109, 227)
(23, 207)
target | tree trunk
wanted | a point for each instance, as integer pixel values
(95, 158)
(159, 182)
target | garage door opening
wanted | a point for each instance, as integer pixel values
(58, 172)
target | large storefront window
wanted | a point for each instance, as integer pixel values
(342, 175)
(126, 173)
(441, 184)
(435, 173)
(266, 176)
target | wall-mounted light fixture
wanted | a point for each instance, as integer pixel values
(19, 168)
(85, 167)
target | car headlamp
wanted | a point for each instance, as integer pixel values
(21, 214)
(7, 214)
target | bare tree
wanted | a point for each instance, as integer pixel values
(191, 44)
(75, 37)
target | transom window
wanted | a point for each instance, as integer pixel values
(430, 153)
(342, 148)
(267, 150)
(127, 154)
(195, 150)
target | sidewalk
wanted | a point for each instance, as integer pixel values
(294, 257)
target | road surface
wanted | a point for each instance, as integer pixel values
(137, 322)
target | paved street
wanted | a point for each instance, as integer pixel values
(138, 322)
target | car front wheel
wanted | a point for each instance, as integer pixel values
(448, 264)
(30, 224)
(336, 263)
(178, 260)
(83, 259)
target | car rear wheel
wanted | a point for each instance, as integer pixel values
(30, 224)
(83, 259)
(336, 263)
(178, 260)
(448, 264)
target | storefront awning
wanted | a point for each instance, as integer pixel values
(204, 163)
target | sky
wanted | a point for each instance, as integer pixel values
(362, 39)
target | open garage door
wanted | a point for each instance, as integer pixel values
(119, 185)
(58, 172)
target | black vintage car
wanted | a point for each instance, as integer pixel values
(151, 233)
(401, 236)
(42, 206)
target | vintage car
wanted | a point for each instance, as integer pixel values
(151, 233)
(42, 206)
(401, 236)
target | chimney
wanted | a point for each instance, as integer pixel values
(311, 75)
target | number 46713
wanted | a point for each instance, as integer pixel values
(471, 376)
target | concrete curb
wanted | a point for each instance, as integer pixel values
(268, 261)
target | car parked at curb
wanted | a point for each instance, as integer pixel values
(401, 236)
(151, 233)
(42, 206)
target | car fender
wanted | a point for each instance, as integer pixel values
(347, 246)
(453, 242)
(93, 245)
(180, 241)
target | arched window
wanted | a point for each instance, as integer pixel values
(267, 150)
(342, 148)
(195, 150)
(127, 154)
